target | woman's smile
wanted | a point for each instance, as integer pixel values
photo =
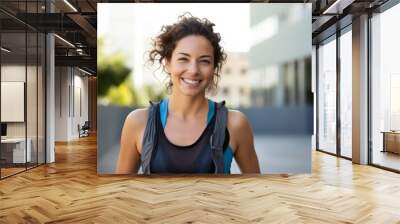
(191, 83)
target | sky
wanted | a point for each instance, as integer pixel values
(128, 28)
(232, 20)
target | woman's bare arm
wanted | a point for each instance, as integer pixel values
(132, 132)
(242, 136)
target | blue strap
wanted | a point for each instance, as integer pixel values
(228, 156)
(164, 111)
(211, 108)
(228, 153)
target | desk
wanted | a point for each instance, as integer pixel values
(391, 141)
(15, 148)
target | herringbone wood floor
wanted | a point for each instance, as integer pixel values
(69, 191)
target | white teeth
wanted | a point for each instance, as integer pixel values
(189, 81)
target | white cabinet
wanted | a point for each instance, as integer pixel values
(18, 149)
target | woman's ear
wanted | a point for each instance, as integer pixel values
(167, 66)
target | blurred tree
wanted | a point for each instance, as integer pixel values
(153, 95)
(111, 70)
(123, 95)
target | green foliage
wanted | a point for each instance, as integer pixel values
(111, 71)
(115, 84)
(153, 94)
(123, 95)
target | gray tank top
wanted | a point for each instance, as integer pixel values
(195, 158)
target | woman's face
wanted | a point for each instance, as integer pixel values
(191, 65)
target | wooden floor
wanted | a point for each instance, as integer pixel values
(69, 191)
(10, 171)
(387, 159)
(5, 172)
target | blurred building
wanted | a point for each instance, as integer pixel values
(280, 67)
(235, 84)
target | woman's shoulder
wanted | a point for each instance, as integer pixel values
(237, 119)
(133, 129)
(137, 118)
(239, 128)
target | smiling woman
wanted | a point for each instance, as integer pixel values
(186, 132)
(191, 68)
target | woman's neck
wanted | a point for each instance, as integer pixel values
(187, 107)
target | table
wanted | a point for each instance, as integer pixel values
(391, 141)
(13, 150)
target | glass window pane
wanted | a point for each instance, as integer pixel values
(31, 97)
(327, 97)
(22, 87)
(32, 85)
(41, 98)
(14, 153)
(386, 89)
(346, 94)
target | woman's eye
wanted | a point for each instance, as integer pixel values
(205, 61)
(182, 59)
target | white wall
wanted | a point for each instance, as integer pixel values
(80, 94)
(61, 103)
(71, 87)
(33, 126)
(16, 73)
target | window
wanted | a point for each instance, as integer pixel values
(22, 65)
(385, 88)
(327, 96)
(346, 94)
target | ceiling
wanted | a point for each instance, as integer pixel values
(77, 25)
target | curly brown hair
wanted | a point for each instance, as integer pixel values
(165, 43)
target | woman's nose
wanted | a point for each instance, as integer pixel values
(193, 67)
